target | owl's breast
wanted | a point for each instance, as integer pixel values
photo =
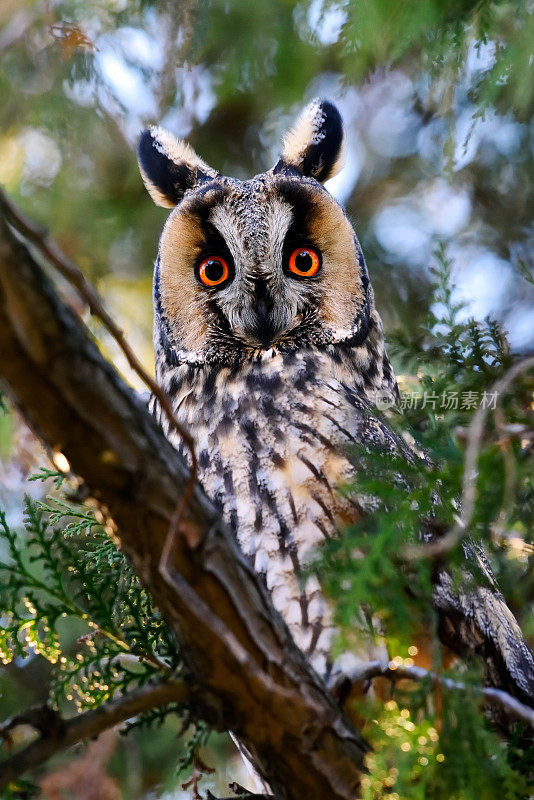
(273, 443)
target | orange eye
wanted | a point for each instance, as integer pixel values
(213, 271)
(304, 262)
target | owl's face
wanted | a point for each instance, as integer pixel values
(245, 266)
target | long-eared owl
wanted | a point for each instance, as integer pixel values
(268, 343)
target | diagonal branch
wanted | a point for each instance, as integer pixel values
(57, 734)
(249, 675)
(489, 695)
(50, 250)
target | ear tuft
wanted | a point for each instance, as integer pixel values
(314, 146)
(169, 166)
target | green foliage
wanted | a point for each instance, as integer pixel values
(230, 75)
(457, 362)
(76, 571)
(45, 473)
(440, 33)
(422, 754)
(429, 742)
(66, 568)
(21, 789)
(69, 119)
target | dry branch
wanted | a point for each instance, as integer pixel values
(57, 734)
(249, 675)
(490, 696)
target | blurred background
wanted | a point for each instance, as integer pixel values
(437, 100)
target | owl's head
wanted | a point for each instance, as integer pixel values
(244, 266)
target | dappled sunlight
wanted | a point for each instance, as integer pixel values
(436, 100)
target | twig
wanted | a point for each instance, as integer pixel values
(73, 274)
(443, 545)
(199, 770)
(60, 734)
(240, 793)
(490, 696)
(243, 796)
(510, 474)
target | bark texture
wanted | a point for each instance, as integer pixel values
(249, 676)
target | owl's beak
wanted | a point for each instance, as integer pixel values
(264, 327)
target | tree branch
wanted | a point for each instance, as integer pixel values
(58, 734)
(490, 696)
(73, 274)
(242, 796)
(249, 675)
(442, 545)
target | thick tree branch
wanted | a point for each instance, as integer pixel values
(57, 734)
(249, 675)
(50, 250)
(490, 696)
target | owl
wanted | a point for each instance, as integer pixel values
(269, 345)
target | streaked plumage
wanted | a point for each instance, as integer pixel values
(275, 373)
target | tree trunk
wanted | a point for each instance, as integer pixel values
(245, 672)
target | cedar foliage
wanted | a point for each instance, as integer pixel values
(453, 366)
(52, 83)
(428, 744)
